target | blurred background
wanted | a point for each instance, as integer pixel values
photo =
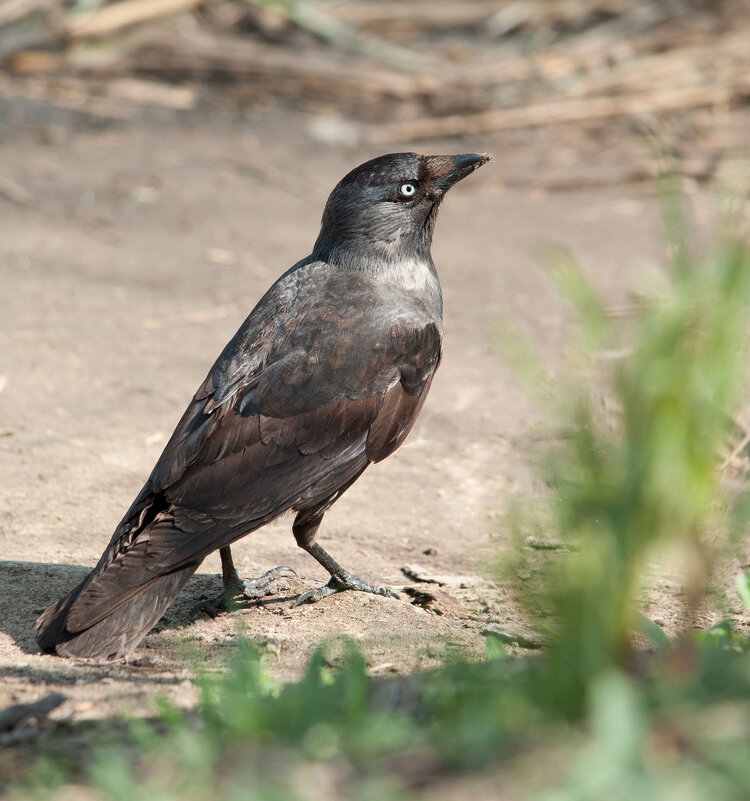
(392, 72)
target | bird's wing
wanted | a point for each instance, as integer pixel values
(342, 372)
(299, 402)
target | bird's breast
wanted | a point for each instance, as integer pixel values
(411, 275)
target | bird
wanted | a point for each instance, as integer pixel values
(325, 376)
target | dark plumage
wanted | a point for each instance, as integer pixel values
(326, 375)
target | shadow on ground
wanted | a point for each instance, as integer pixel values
(32, 586)
(29, 588)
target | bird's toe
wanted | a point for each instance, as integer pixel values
(211, 607)
(336, 584)
(314, 595)
(238, 590)
(271, 581)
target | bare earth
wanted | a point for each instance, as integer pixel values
(137, 257)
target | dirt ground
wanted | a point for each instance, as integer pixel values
(136, 255)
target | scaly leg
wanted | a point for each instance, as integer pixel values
(237, 590)
(305, 528)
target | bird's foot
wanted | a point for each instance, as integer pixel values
(339, 583)
(237, 591)
(271, 581)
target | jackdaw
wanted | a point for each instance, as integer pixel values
(326, 375)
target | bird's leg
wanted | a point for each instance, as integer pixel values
(250, 588)
(305, 528)
(237, 590)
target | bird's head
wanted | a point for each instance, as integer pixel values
(386, 207)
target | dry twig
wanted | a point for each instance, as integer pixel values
(110, 19)
(584, 110)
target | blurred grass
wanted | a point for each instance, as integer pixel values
(623, 488)
(590, 717)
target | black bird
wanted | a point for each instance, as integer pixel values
(326, 375)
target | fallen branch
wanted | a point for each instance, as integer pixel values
(198, 53)
(583, 110)
(113, 18)
(306, 15)
(414, 15)
(15, 193)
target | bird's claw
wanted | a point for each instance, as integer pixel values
(314, 595)
(269, 582)
(339, 584)
(211, 607)
(241, 590)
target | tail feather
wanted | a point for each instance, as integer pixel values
(119, 632)
(131, 587)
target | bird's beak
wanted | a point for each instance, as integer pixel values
(448, 170)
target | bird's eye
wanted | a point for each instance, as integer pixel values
(407, 190)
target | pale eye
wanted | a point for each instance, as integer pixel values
(407, 190)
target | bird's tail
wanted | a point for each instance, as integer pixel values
(117, 633)
(136, 580)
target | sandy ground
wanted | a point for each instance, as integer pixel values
(140, 253)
